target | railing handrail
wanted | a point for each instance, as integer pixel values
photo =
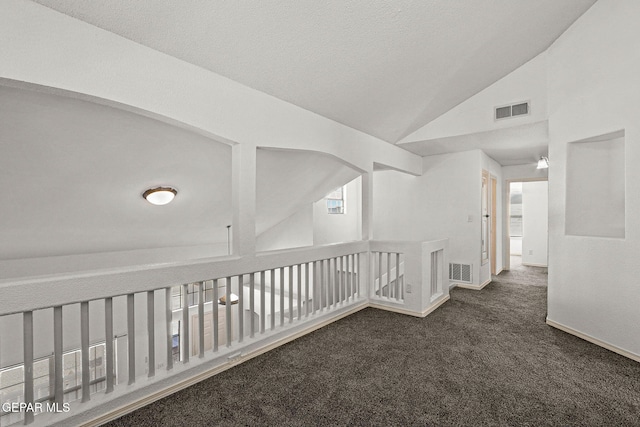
(28, 294)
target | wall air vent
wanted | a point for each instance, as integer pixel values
(460, 273)
(514, 110)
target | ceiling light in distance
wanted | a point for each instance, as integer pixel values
(543, 163)
(160, 195)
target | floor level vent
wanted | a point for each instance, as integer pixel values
(460, 273)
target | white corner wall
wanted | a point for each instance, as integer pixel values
(293, 232)
(336, 228)
(535, 210)
(593, 71)
(442, 203)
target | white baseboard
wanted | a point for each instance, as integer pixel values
(499, 271)
(531, 264)
(401, 310)
(593, 340)
(474, 287)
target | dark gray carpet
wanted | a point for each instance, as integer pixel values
(485, 358)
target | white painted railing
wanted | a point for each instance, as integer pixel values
(101, 340)
(408, 277)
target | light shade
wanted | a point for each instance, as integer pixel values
(233, 297)
(160, 195)
(543, 163)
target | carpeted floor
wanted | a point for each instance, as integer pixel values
(485, 358)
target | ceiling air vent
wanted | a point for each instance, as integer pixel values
(520, 109)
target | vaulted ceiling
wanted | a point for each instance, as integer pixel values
(384, 67)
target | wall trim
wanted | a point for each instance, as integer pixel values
(593, 340)
(530, 264)
(400, 310)
(474, 287)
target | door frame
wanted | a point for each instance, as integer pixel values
(506, 244)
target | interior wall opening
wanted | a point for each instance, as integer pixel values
(528, 211)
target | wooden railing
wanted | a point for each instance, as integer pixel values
(161, 322)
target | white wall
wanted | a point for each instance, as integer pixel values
(535, 211)
(27, 267)
(337, 228)
(442, 203)
(593, 90)
(526, 83)
(293, 232)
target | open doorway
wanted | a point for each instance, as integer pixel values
(527, 238)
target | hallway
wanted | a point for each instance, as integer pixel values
(484, 358)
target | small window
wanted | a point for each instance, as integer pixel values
(335, 201)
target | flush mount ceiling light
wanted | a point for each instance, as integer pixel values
(160, 195)
(233, 298)
(543, 163)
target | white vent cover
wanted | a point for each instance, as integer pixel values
(460, 273)
(514, 110)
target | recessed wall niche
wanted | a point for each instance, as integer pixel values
(595, 201)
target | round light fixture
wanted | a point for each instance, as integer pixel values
(160, 195)
(234, 299)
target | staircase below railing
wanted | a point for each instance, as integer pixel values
(87, 348)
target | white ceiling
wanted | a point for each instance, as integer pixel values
(517, 145)
(286, 181)
(384, 67)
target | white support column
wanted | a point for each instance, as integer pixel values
(243, 190)
(367, 205)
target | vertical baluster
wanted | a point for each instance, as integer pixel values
(273, 299)
(252, 303)
(380, 274)
(151, 332)
(27, 333)
(216, 320)
(388, 275)
(306, 288)
(131, 338)
(201, 319)
(186, 351)
(227, 310)
(262, 302)
(299, 268)
(348, 278)
(58, 382)
(397, 287)
(356, 271)
(330, 283)
(108, 337)
(339, 267)
(84, 346)
(281, 296)
(240, 308)
(315, 286)
(322, 291)
(290, 293)
(168, 313)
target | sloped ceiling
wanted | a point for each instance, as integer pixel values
(384, 67)
(289, 180)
